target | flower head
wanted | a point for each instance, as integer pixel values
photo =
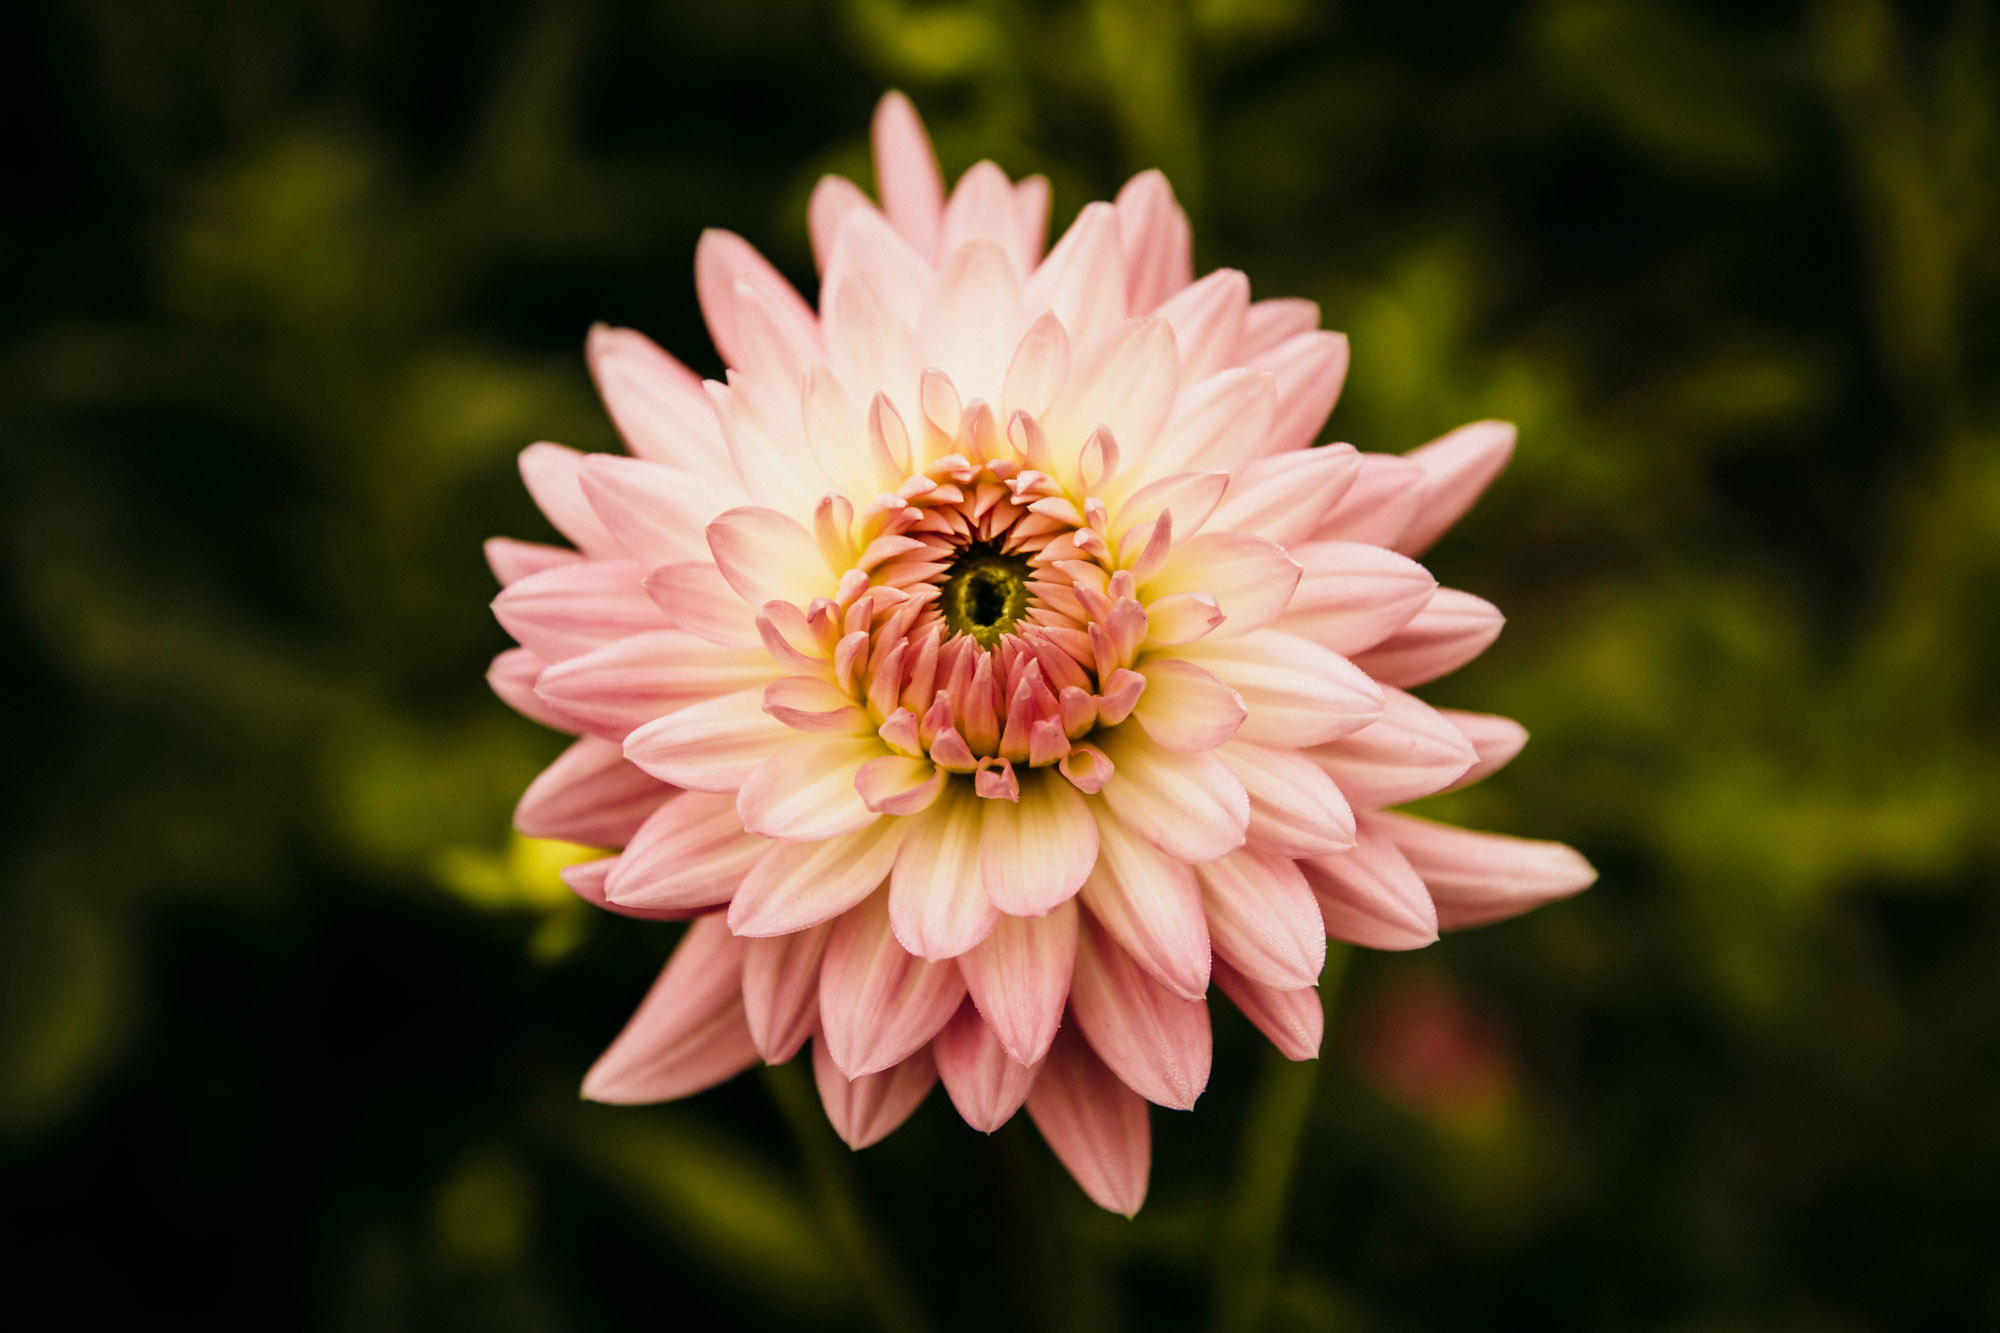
(991, 663)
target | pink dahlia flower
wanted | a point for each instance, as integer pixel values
(991, 663)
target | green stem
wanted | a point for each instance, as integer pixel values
(826, 1160)
(1253, 1221)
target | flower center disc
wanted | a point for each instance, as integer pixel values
(985, 594)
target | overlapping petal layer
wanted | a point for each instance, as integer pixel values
(990, 662)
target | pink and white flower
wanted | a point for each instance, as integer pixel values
(991, 663)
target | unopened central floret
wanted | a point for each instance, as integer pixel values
(985, 593)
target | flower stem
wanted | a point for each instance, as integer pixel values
(1253, 1220)
(892, 1303)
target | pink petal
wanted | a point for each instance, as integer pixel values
(1496, 740)
(1019, 977)
(512, 561)
(712, 746)
(1293, 1019)
(1038, 369)
(815, 704)
(891, 784)
(832, 200)
(868, 1109)
(797, 885)
(906, 173)
(765, 555)
(1283, 496)
(1379, 505)
(982, 207)
(694, 597)
(1353, 595)
(870, 257)
(937, 905)
(1208, 322)
(1186, 708)
(1125, 386)
(1458, 468)
(1309, 369)
(656, 402)
(1477, 878)
(1096, 1126)
(1149, 902)
(628, 682)
(691, 853)
(1269, 323)
(656, 512)
(1295, 808)
(1158, 244)
(1189, 805)
(1218, 424)
(729, 274)
(587, 880)
(1251, 577)
(1154, 1040)
(551, 474)
(1031, 214)
(689, 1032)
(985, 1085)
(588, 795)
(805, 791)
(1190, 496)
(570, 609)
(1369, 895)
(976, 321)
(1082, 283)
(513, 676)
(1408, 752)
(1037, 851)
(1453, 628)
(1262, 918)
(877, 1004)
(781, 990)
(1298, 693)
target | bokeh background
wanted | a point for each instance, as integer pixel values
(292, 1025)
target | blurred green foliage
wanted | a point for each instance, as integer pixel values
(292, 1023)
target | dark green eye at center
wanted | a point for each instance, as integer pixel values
(985, 594)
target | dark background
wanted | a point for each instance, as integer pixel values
(292, 1028)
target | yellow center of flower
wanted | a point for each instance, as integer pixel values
(985, 593)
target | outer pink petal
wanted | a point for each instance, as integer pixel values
(1477, 878)
(1379, 505)
(1186, 707)
(1158, 243)
(1149, 902)
(1262, 918)
(877, 1004)
(764, 554)
(570, 609)
(1298, 693)
(1019, 978)
(1269, 323)
(1283, 496)
(1250, 576)
(628, 682)
(513, 676)
(868, 1109)
(691, 853)
(1154, 1040)
(1097, 1126)
(728, 275)
(1208, 322)
(937, 904)
(906, 173)
(1453, 628)
(1309, 368)
(694, 597)
(1293, 1019)
(781, 990)
(656, 512)
(1457, 469)
(832, 200)
(512, 561)
(806, 791)
(1295, 808)
(1370, 896)
(656, 402)
(588, 795)
(1408, 752)
(1218, 424)
(1496, 739)
(1126, 385)
(1190, 496)
(587, 878)
(797, 885)
(985, 1084)
(689, 1032)
(976, 320)
(1189, 805)
(1082, 282)
(712, 746)
(551, 474)
(1035, 853)
(1353, 595)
